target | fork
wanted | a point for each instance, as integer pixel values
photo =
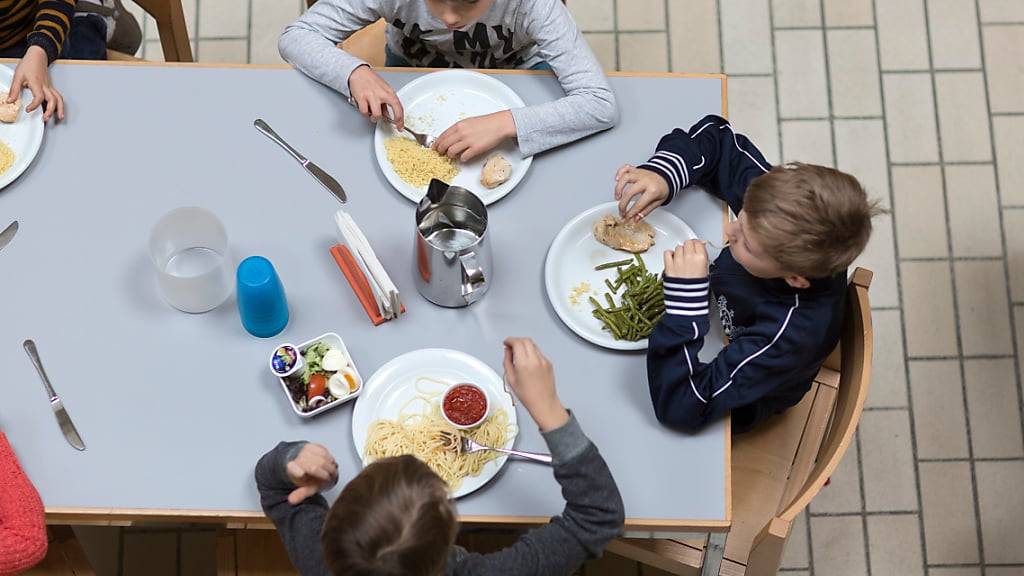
(424, 140)
(470, 446)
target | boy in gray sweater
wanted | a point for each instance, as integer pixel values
(537, 34)
(395, 517)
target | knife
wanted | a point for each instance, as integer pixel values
(8, 234)
(322, 177)
(63, 420)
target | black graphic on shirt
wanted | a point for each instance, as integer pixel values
(476, 45)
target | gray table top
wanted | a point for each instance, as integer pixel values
(176, 408)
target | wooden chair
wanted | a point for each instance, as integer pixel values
(64, 557)
(779, 468)
(170, 23)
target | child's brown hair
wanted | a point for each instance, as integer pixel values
(812, 220)
(393, 519)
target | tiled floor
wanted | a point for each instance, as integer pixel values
(923, 100)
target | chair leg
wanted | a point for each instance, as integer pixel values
(714, 551)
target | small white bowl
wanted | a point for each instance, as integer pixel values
(487, 407)
(334, 341)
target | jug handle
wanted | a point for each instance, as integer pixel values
(473, 279)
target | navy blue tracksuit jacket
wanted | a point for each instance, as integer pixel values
(778, 335)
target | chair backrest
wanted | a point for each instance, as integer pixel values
(840, 390)
(170, 23)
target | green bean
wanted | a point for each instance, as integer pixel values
(608, 265)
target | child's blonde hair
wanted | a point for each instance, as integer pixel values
(812, 220)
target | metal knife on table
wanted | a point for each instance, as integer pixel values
(66, 426)
(8, 234)
(322, 177)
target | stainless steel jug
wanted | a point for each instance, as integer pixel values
(453, 256)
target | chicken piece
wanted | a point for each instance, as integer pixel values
(635, 237)
(496, 171)
(9, 112)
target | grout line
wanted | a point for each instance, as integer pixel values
(668, 37)
(912, 422)
(1002, 23)
(964, 357)
(949, 163)
(863, 513)
(831, 117)
(1004, 113)
(954, 258)
(1002, 230)
(955, 296)
(978, 459)
(195, 50)
(615, 30)
(1014, 207)
(954, 70)
(908, 71)
(657, 31)
(885, 408)
(248, 43)
(204, 38)
(841, 27)
(721, 42)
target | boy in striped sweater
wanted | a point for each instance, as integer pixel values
(779, 285)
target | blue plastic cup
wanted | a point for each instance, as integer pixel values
(261, 302)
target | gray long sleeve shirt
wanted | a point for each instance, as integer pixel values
(593, 515)
(511, 34)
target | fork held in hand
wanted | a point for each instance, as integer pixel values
(470, 446)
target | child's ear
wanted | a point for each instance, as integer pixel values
(798, 281)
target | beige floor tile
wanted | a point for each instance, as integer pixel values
(888, 371)
(603, 46)
(796, 13)
(1001, 10)
(957, 571)
(1003, 45)
(746, 38)
(888, 461)
(1001, 503)
(269, 17)
(100, 544)
(752, 112)
(643, 52)
(843, 493)
(641, 15)
(954, 32)
(803, 87)
(853, 68)
(591, 14)
(895, 545)
(920, 211)
(950, 534)
(860, 150)
(152, 51)
(1009, 150)
(902, 35)
(973, 211)
(879, 257)
(984, 311)
(838, 546)
(992, 404)
(693, 35)
(227, 51)
(910, 113)
(224, 18)
(189, 7)
(151, 553)
(1004, 571)
(1013, 221)
(963, 117)
(940, 423)
(928, 309)
(199, 553)
(849, 13)
(797, 552)
(808, 141)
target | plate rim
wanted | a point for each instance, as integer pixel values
(554, 296)
(8, 178)
(378, 133)
(371, 383)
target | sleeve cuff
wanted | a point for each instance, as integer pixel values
(686, 296)
(672, 167)
(567, 441)
(46, 43)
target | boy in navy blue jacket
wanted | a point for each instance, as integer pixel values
(779, 285)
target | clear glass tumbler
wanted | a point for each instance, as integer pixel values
(189, 249)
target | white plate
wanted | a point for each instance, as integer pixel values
(390, 387)
(434, 102)
(573, 255)
(24, 136)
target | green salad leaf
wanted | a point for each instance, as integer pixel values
(314, 356)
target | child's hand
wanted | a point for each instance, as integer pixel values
(689, 260)
(33, 73)
(649, 189)
(311, 470)
(370, 93)
(533, 380)
(471, 137)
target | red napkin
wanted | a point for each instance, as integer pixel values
(22, 520)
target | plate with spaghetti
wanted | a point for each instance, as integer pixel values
(400, 413)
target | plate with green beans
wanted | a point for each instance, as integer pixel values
(610, 297)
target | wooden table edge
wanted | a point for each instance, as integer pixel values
(100, 515)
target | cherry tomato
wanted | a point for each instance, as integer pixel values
(317, 386)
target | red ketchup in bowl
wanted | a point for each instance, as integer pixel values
(465, 405)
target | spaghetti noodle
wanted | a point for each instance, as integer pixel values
(426, 435)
